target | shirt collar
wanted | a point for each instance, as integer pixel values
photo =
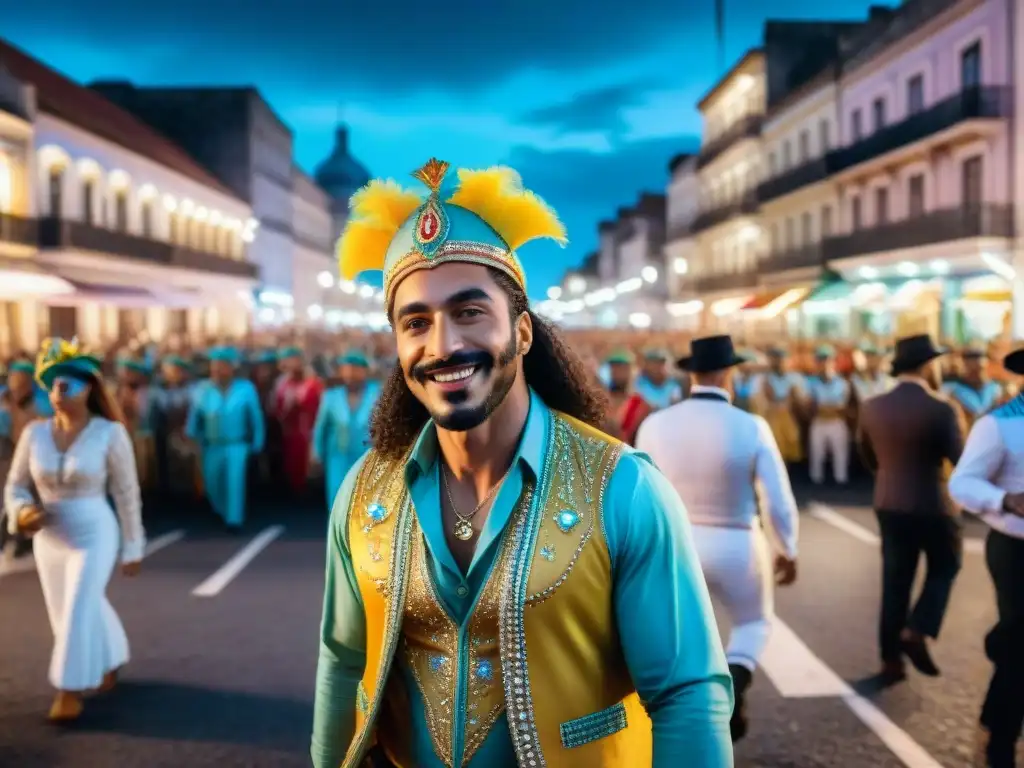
(530, 451)
(698, 388)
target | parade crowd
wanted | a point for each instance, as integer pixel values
(509, 505)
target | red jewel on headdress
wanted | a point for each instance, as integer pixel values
(429, 226)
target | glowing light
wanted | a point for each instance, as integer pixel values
(252, 223)
(88, 168)
(326, 279)
(187, 206)
(276, 298)
(650, 275)
(315, 312)
(201, 214)
(628, 286)
(907, 269)
(577, 284)
(640, 320)
(147, 192)
(868, 273)
(724, 307)
(999, 266)
(685, 308)
(554, 292)
(939, 267)
(680, 265)
(348, 287)
(366, 291)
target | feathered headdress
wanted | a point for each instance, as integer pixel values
(484, 221)
(59, 356)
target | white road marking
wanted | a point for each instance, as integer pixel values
(846, 525)
(797, 673)
(9, 565)
(216, 583)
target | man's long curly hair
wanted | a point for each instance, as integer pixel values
(551, 368)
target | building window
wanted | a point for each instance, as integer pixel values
(970, 66)
(89, 201)
(823, 137)
(856, 215)
(63, 322)
(790, 234)
(146, 218)
(121, 210)
(878, 113)
(856, 128)
(881, 206)
(915, 94)
(826, 221)
(971, 182)
(787, 155)
(805, 146)
(806, 229)
(56, 190)
(177, 320)
(915, 195)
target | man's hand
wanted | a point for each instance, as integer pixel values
(30, 520)
(1014, 504)
(785, 570)
(131, 569)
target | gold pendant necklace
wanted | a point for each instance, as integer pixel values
(463, 529)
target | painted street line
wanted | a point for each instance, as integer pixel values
(798, 674)
(161, 542)
(216, 583)
(860, 532)
(9, 565)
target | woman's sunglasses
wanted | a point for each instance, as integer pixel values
(68, 387)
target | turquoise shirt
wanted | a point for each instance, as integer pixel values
(661, 395)
(977, 402)
(340, 431)
(226, 417)
(677, 663)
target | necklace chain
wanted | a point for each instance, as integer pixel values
(464, 520)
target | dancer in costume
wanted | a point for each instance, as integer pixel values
(654, 384)
(627, 408)
(341, 434)
(135, 395)
(726, 467)
(63, 472)
(492, 561)
(779, 397)
(830, 401)
(296, 402)
(226, 421)
(974, 391)
(176, 454)
(989, 481)
(868, 378)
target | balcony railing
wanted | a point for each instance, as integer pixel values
(746, 203)
(936, 227)
(812, 255)
(63, 233)
(725, 281)
(980, 102)
(802, 176)
(17, 229)
(745, 128)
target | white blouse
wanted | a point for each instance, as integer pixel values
(101, 461)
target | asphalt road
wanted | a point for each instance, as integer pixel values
(225, 677)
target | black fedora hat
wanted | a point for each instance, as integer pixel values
(914, 351)
(1014, 362)
(712, 353)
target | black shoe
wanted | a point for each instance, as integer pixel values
(917, 651)
(741, 679)
(892, 672)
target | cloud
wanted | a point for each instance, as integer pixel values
(322, 45)
(597, 110)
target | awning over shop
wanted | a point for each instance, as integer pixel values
(20, 284)
(123, 296)
(762, 300)
(830, 290)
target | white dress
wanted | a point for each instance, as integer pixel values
(77, 549)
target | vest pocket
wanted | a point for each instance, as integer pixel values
(589, 728)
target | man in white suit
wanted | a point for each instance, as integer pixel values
(726, 467)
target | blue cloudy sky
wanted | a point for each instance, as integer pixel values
(588, 100)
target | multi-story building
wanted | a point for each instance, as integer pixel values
(312, 230)
(140, 235)
(923, 172)
(682, 208)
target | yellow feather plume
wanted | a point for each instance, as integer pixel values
(497, 196)
(378, 211)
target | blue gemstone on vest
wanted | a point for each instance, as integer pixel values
(437, 663)
(484, 670)
(566, 520)
(376, 512)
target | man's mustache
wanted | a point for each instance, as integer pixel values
(423, 370)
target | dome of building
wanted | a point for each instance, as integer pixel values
(340, 175)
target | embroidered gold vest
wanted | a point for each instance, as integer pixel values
(541, 645)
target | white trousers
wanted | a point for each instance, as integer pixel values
(830, 437)
(738, 570)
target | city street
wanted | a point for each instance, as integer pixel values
(224, 651)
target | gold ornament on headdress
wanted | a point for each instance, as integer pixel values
(496, 195)
(56, 350)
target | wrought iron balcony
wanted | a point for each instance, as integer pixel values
(935, 227)
(802, 176)
(980, 102)
(64, 233)
(745, 204)
(17, 229)
(805, 257)
(745, 128)
(723, 281)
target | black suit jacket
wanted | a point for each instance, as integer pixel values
(906, 436)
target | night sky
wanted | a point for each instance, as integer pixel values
(587, 100)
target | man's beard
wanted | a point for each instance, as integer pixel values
(463, 419)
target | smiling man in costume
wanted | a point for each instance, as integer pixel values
(494, 561)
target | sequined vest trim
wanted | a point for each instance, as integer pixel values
(541, 646)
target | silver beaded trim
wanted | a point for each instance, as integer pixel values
(584, 730)
(512, 637)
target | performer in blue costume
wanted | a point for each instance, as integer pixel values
(654, 384)
(341, 433)
(975, 392)
(227, 421)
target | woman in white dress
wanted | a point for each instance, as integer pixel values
(62, 472)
